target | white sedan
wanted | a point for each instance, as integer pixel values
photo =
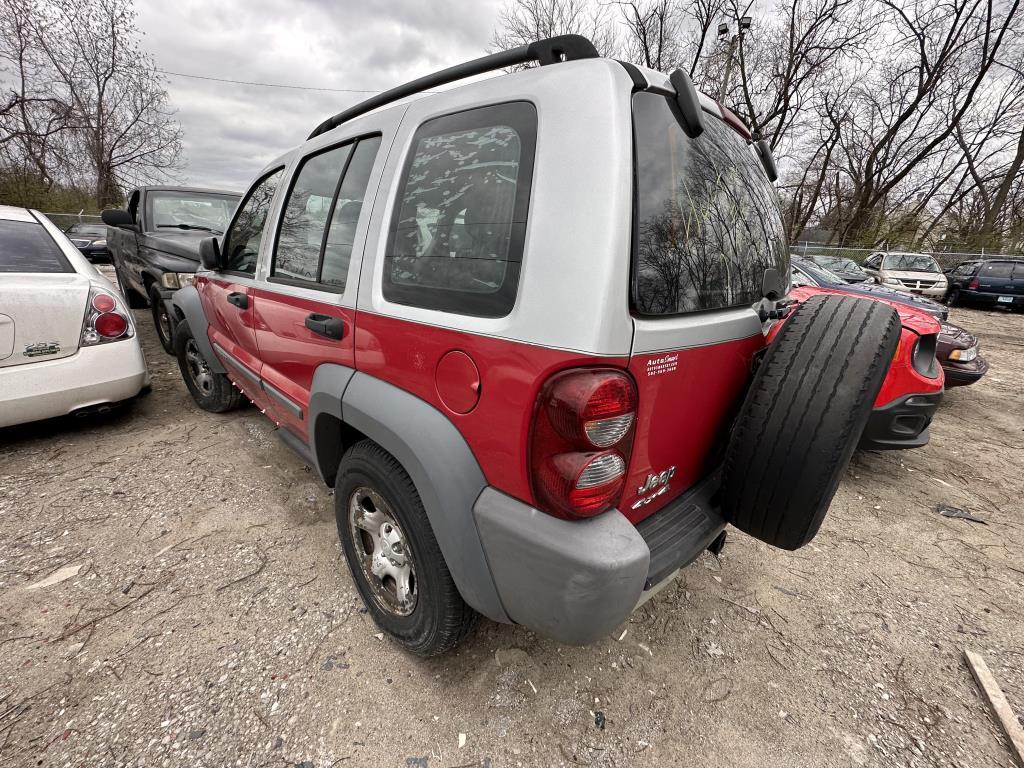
(67, 340)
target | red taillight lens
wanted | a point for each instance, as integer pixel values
(106, 319)
(110, 325)
(103, 302)
(581, 441)
(973, 285)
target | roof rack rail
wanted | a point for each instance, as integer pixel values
(549, 51)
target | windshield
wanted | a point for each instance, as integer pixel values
(707, 218)
(207, 211)
(87, 229)
(838, 264)
(910, 262)
(819, 274)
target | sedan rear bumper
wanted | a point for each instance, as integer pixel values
(93, 376)
(903, 423)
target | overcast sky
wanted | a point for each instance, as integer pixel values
(231, 130)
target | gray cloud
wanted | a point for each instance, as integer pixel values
(231, 131)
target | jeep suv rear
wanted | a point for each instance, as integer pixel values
(520, 326)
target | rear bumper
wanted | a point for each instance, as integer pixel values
(903, 423)
(576, 581)
(106, 373)
(962, 374)
(990, 299)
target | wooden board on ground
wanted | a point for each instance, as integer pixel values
(996, 700)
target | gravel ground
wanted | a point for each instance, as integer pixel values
(211, 621)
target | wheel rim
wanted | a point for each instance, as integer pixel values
(163, 323)
(383, 552)
(198, 370)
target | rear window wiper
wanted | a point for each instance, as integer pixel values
(189, 226)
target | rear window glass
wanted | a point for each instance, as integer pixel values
(27, 247)
(1000, 270)
(457, 237)
(707, 219)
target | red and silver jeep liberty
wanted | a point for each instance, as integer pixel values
(520, 327)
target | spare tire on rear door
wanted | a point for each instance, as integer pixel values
(803, 416)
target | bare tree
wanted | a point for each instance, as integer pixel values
(86, 104)
(653, 33)
(524, 21)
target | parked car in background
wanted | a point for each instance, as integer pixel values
(987, 283)
(805, 272)
(386, 294)
(959, 355)
(847, 269)
(913, 386)
(154, 244)
(91, 240)
(908, 272)
(67, 342)
(956, 349)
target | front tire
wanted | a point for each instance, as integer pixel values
(953, 299)
(162, 320)
(803, 416)
(212, 391)
(393, 555)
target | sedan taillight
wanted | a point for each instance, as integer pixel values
(581, 440)
(106, 319)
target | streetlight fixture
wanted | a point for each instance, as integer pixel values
(742, 24)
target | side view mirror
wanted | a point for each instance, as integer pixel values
(210, 255)
(117, 217)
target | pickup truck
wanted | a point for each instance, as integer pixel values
(154, 244)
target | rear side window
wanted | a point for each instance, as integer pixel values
(707, 219)
(26, 246)
(317, 229)
(457, 236)
(998, 270)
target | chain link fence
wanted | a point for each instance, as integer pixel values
(946, 259)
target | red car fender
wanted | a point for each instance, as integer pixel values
(902, 379)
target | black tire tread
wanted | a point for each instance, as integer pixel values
(225, 396)
(154, 307)
(457, 618)
(803, 416)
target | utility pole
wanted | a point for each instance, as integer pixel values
(734, 40)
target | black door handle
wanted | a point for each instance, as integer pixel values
(240, 300)
(325, 325)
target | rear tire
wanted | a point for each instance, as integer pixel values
(163, 321)
(374, 498)
(803, 416)
(212, 391)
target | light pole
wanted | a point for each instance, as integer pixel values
(723, 34)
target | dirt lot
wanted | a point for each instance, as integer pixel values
(213, 623)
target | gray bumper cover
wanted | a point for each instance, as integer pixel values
(573, 581)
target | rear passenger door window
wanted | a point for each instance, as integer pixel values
(456, 240)
(317, 227)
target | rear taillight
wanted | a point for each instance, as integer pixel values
(106, 319)
(581, 440)
(973, 285)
